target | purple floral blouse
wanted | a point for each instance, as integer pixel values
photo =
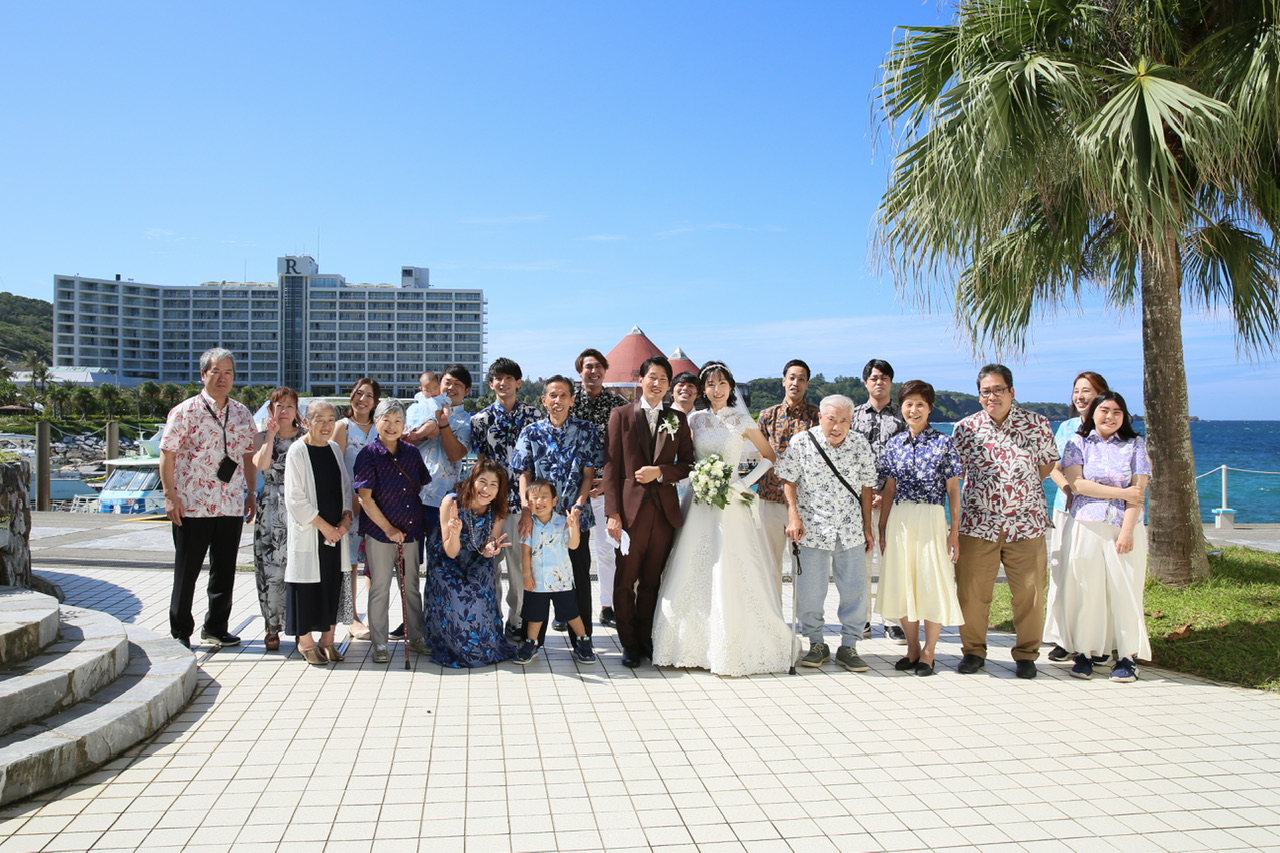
(920, 466)
(1108, 462)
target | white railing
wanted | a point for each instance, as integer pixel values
(1224, 515)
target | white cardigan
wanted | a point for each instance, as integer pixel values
(302, 565)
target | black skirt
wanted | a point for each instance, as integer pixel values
(314, 606)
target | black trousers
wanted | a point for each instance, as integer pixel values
(219, 537)
(580, 560)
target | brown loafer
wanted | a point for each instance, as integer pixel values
(272, 641)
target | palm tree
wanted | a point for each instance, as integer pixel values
(148, 392)
(1129, 147)
(40, 371)
(84, 400)
(170, 394)
(58, 395)
(109, 395)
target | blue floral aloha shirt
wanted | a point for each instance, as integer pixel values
(560, 454)
(919, 465)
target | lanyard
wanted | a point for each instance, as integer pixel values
(222, 424)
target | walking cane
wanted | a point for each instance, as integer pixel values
(795, 606)
(404, 602)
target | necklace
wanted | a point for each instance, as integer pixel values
(359, 422)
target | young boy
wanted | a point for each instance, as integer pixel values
(548, 575)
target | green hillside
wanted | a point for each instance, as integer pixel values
(25, 324)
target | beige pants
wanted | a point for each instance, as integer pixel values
(773, 517)
(976, 571)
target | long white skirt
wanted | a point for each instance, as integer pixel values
(1057, 536)
(917, 577)
(1099, 607)
(718, 606)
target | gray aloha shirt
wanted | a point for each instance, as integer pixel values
(832, 515)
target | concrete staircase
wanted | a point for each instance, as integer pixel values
(77, 688)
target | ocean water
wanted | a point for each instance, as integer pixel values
(1247, 445)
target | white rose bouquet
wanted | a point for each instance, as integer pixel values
(712, 482)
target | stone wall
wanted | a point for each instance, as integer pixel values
(15, 524)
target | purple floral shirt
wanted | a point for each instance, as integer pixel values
(1002, 492)
(1108, 462)
(919, 465)
(395, 481)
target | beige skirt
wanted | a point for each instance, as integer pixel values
(917, 577)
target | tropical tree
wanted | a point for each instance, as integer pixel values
(110, 396)
(170, 394)
(40, 372)
(148, 392)
(58, 395)
(84, 400)
(1048, 148)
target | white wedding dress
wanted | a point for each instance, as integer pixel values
(718, 606)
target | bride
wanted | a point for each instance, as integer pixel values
(718, 606)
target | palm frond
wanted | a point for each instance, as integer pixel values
(1227, 264)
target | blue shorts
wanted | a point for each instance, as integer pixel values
(537, 605)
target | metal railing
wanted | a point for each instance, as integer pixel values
(1223, 469)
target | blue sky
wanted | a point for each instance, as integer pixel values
(703, 170)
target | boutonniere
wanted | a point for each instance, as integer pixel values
(669, 424)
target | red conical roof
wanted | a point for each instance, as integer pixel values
(627, 356)
(680, 363)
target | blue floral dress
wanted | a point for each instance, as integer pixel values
(463, 623)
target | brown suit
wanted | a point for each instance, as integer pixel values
(650, 512)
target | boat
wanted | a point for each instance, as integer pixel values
(132, 487)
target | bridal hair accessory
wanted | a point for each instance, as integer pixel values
(669, 425)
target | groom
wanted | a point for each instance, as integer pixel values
(649, 450)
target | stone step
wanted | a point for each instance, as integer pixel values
(28, 623)
(91, 652)
(157, 683)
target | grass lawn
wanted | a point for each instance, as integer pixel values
(1226, 627)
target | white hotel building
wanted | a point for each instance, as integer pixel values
(309, 330)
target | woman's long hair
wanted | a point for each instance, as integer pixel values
(374, 386)
(1095, 379)
(467, 488)
(1126, 431)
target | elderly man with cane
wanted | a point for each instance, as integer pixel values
(828, 474)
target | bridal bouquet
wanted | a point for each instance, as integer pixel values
(710, 479)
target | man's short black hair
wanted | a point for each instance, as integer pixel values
(686, 376)
(547, 383)
(660, 361)
(877, 364)
(460, 373)
(987, 369)
(504, 367)
(795, 362)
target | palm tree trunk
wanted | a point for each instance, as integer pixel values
(1177, 545)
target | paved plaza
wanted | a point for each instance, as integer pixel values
(273, 754)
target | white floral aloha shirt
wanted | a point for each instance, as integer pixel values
(832, 515)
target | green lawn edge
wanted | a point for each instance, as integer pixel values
(1226, 627)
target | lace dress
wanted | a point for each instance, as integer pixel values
(718, 606)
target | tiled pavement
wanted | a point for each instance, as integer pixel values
(273, 754)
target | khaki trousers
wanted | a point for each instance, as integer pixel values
(1024, 566)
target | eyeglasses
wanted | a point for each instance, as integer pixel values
(993, 392)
